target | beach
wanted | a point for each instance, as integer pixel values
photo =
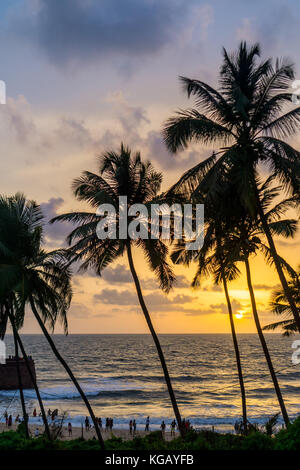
(77, 432)
(121, 377)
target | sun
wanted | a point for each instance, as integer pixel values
(239, 314)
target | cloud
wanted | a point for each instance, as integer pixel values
(270, 31)
(246, 32)
(129, 116)
(265, 287)
(279, 27)
(16, 116)
(74, 131)
(79, 311)
(198, 312)
(157, 150)
(212, 288)
(115, 297)
(131, 120)
(182, 281)
(81, 31)
(120, 274)
(182, 299)
(152, 284)
(288, 244)
(222, 308)
(55, 233)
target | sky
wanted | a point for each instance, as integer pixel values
(84, 75)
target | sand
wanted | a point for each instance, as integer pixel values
(77, 432)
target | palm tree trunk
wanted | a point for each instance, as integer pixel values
(47, 430)
(44, 417)
(284, 283)
(69, 372)
(25, 416)
(237, 354)
(156, 340)
(264, 345)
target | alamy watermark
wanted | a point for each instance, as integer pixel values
(2, 352)
(296, 353)
(153, 221)
(296, 93)
(2, 92)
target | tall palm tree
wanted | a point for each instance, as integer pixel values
(264, 344)
(121, 174)
(212, 260)
(34, 276)
(232, 236)
(248, 116)
(281, 307)
(245, 240)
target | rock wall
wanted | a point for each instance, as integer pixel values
(9, 376)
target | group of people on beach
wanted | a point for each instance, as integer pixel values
(9, 419)
(53, 414)
(185, 424)
(109, 423)
(132, 426)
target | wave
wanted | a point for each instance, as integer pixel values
(160, 378)
(92, 388)
(225, 423)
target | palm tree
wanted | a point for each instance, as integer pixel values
(34, 276)
(225, 278)
(245, 241)
(233, 235)
(35, 386)
(212, 260)
(248, 116)
(121, 174)
(264, 344)
(281, 307)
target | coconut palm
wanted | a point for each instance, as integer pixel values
(248, 117)
(245, 240)
(34, 276)
(281, 307)
(212, 260)
(121, 174)
(233, 235)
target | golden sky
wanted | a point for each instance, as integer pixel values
(75, 94)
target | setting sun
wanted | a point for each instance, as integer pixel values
(239, 315)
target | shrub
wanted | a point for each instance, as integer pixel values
(289, 439)
(257, 441)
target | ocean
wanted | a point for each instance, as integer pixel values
(122, 378)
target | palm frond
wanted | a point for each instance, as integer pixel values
(191, 126)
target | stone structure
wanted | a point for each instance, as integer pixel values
(9, 375)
